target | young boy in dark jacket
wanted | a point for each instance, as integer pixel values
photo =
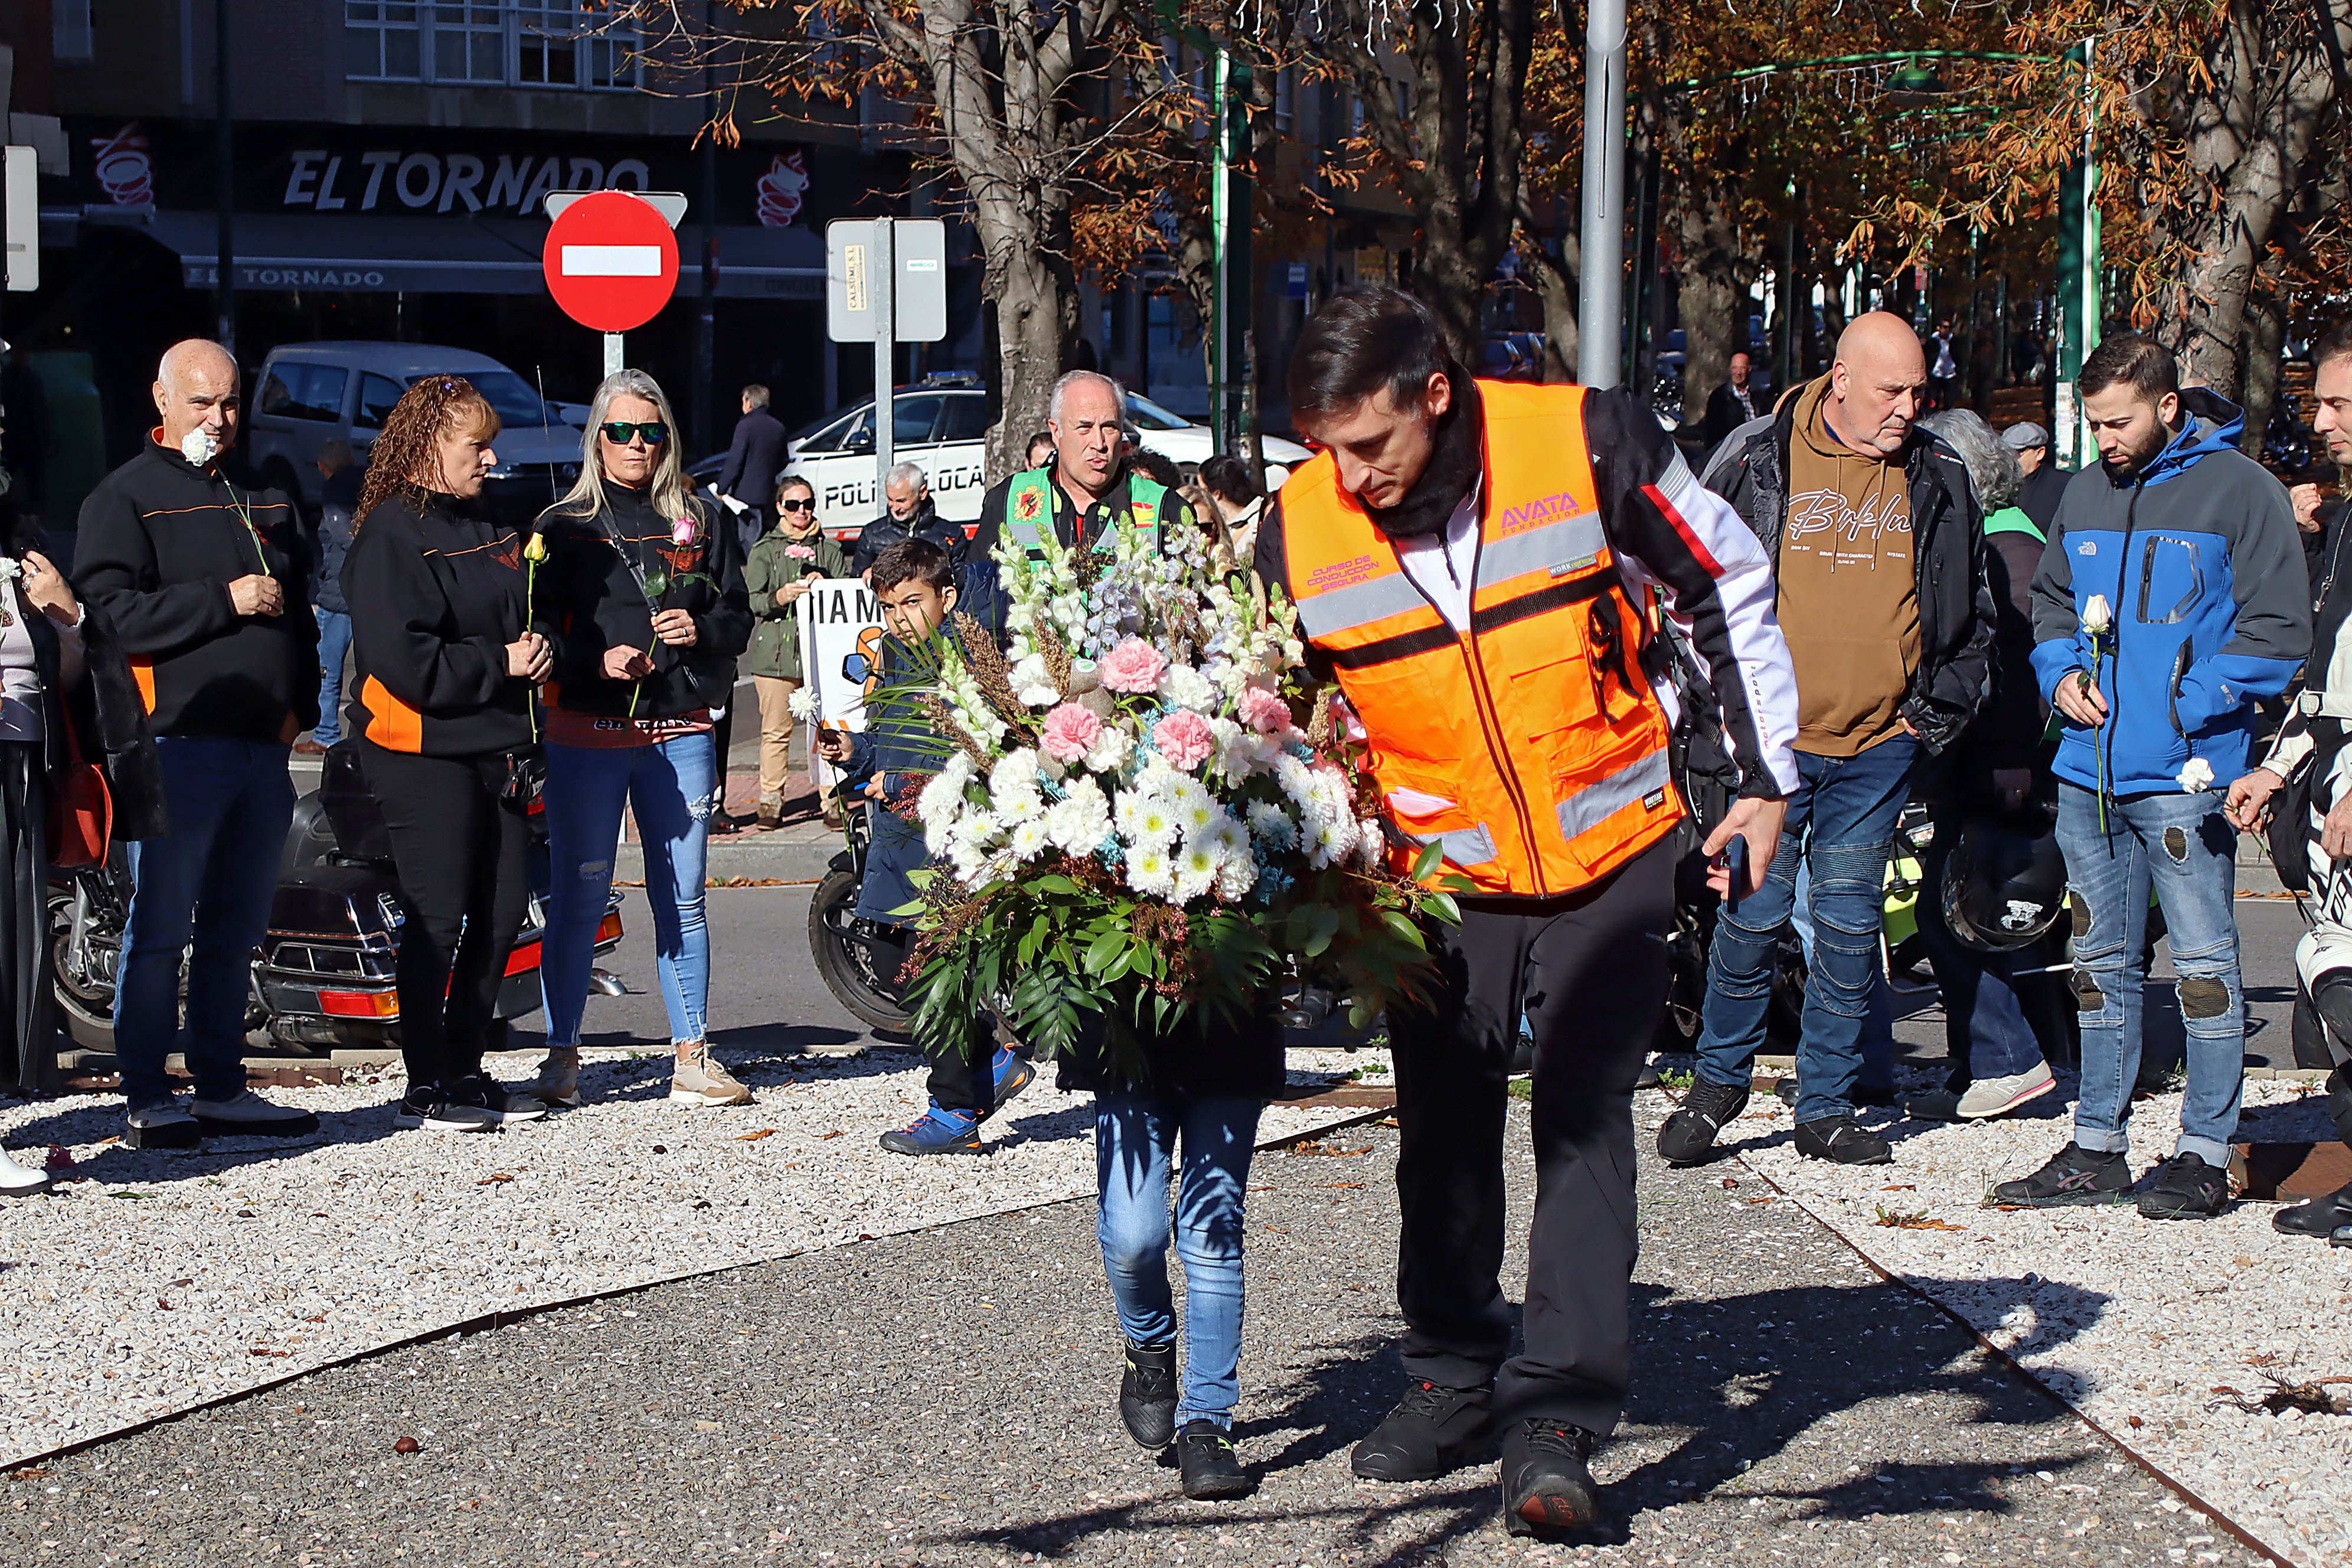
(888, 765)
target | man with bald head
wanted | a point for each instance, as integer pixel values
(1877, 543)
(1089, 484)
(204, 582)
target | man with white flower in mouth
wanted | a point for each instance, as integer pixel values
(204, 581)
(2170, 596)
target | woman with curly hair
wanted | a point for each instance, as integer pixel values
(642, 599)
(446, 661)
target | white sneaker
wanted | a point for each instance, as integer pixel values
(20, 1180)
(1998, 1096)
(248, 1115)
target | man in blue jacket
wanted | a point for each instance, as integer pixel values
(2170, 597)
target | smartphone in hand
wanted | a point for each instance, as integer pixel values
(1733, 859)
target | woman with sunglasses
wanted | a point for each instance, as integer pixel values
(778, 572)
(641, 597)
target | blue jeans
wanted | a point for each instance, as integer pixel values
(669, 787)
(335, 643)
(1135, 1134)
(1985, 1027)
(2180, 846)
(1878, 1023)
(211, 880)
(1841, 823)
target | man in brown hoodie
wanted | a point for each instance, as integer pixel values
(1878, 542)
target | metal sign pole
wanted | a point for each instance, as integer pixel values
(1600, 342)
(883, 271)
(613, 358)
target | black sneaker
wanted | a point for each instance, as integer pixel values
(1933, 1105)
(1204, 1452)
(165, 1126)
(1785, 1091)
(246, 1114)
(1433, 1431)
(2073, 1175)
(2185, 1188)
(1547, 1478)
(1688, 1136)
(501, 1103)
(1147, 1394)
(2321, 1217)
(1842, 1141)
(430, 1109)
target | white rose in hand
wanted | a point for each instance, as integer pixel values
(2197, 777)
(2096, 616)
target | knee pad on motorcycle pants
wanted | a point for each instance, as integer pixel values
(2322, 961)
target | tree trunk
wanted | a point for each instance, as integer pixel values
(1036, 328)
(1712, 298)
(2266, 339)
(2247, 142)
(1556, 290)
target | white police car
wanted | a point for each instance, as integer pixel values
(941, 428)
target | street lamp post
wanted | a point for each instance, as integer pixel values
(1601, 281)
(2078, 275)
(1229, 238)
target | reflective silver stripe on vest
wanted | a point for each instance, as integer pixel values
(1359, 605)
(1464, 845)
(1571, 541)
(1597, 802)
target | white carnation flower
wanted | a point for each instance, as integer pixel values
(1031, 684)
(1080, 821)
(1370, 843)
(1187, 688)
(1237, 875)
(2197, 777)
(1111, 749)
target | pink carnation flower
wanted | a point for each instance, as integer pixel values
(1134, 666)
(800, 551)
(1183, 737)
(1263, 711)
(1071, 732)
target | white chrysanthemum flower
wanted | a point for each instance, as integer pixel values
(1196, 872)
(1029, 837)
(802, 702)
(1151, 871)
(1149, 818)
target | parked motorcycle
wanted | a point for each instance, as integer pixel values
(858, 959)
(323, 977)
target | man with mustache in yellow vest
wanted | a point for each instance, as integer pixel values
(1472, 560)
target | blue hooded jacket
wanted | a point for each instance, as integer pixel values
(2200, 567)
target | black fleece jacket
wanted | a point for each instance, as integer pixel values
(436, 594)
(590, 599)
(160, 540)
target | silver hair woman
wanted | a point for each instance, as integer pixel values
(1992, 467)
(640, 593)
(600, 454)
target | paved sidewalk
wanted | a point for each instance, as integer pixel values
(946, 1398)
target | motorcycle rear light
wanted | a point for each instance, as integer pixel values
(522, 959)
(609, 927)
(360, 1003)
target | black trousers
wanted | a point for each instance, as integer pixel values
(1588, 970)
(462, 854)
(961, 1078)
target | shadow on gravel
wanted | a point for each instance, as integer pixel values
(1907, 1488)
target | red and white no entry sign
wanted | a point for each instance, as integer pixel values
(611, 261)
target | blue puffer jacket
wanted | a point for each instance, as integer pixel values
(2198, 560)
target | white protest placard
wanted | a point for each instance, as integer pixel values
(841, 658)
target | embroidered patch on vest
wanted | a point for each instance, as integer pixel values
(1340, 573)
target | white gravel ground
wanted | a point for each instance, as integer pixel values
(2134, 1322)
(151, 1282)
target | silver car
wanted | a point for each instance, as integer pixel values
(308, 394)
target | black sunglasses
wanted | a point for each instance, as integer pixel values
(621, 432)
(804, 504)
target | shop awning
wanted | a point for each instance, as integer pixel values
(384, 254)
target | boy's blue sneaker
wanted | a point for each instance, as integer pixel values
(1011, 1074)
(938, 1130)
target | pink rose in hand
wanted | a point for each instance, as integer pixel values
(1071, 733)
(1134, 666)
(683, 534)
(1184, 738)
(1264, 711)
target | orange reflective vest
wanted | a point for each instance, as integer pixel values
(1530, 745)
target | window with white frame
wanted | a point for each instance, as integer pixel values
(562, 44)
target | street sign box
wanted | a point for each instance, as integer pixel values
(611, 261)
(919, 248)
(24, 219)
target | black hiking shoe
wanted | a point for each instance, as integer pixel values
(1842, 1141)
(1204, 1453)
(2186, 1187)
(2321, 1217)
(1688, 1137)
(1433, 1431)
(1547, 1478)
(1147, 1394)
(2073, 1175)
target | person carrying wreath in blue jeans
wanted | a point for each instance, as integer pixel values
(642, 599)
(2172, 596)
